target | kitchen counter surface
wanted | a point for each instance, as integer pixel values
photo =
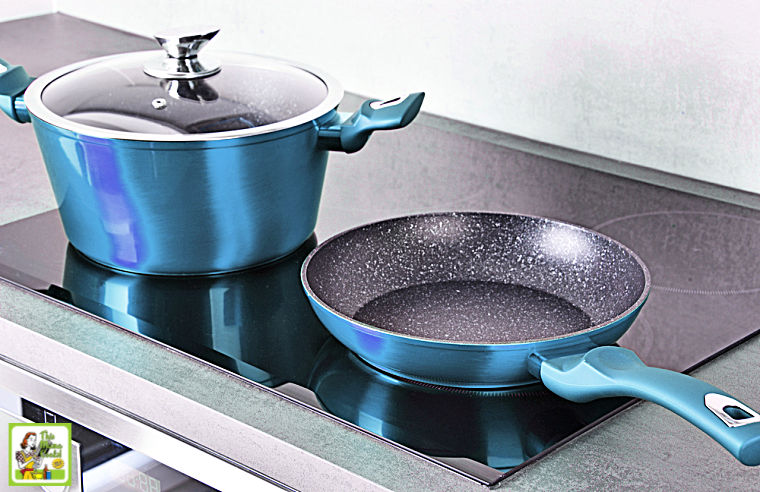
(434, 164)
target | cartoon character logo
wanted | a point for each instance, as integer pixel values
(42, 452)
(28, 458)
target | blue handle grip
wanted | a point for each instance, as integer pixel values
(615, 371)
(352, 133)
(13, 82)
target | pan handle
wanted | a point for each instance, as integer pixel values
(616, 371)
(353, 132)
(13, 82)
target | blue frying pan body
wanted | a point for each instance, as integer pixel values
(352, 270)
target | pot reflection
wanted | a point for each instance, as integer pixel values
(194, 90)
(500, 428)
(256, 322)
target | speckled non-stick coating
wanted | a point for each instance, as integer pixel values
(476, 277)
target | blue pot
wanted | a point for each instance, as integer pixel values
(172, 172)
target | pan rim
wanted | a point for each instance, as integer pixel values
(467, 343)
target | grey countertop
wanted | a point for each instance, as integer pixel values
(643, 447)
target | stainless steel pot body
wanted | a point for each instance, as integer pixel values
(186, 207)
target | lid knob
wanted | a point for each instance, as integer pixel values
(185, 42)
(181, 61)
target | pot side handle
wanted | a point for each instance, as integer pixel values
(353, 132)
(13, 82)
(616, 371)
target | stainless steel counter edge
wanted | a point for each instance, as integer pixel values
(85, 367)
(176, 452)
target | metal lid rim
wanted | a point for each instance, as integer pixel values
(35, 106)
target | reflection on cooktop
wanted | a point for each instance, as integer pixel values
(500, 428)
(255, 322)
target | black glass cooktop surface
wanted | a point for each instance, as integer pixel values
(258, 324)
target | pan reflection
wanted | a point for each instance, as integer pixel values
(256, 322)
(500, 428)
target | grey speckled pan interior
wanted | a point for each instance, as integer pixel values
(476, 277)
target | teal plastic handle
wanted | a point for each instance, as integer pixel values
(13, 82)
(615, 371)
(352, 133)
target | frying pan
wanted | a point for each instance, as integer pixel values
(481, 300)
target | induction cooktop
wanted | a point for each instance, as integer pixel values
(257, 323)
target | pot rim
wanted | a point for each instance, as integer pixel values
(35, 106)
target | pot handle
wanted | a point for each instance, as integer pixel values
(13, 82)
(353, 132)
(616, 371)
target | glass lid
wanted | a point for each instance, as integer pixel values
(178, 92)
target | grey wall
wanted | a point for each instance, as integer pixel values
(668, 85)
